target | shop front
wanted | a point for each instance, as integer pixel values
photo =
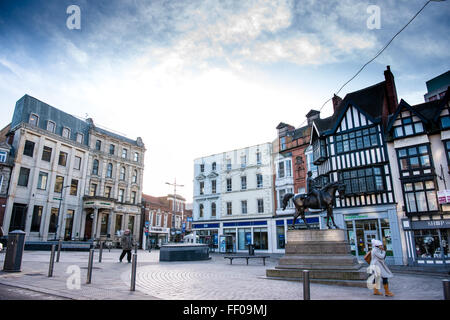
(207, 233)
(282, 225)
(247, 232)
(427, 242)
(157, 236)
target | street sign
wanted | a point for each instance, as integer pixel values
(54, 198)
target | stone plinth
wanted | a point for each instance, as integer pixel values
(184, 252)
(325, 253)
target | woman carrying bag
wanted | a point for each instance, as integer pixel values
(378, 254)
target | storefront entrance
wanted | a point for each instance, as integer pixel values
(368, 236)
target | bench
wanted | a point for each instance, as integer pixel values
(246, 257)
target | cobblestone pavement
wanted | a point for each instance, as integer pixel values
(214, 279)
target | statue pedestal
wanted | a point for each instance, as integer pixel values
(325, 253)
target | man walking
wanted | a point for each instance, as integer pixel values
(127, 245)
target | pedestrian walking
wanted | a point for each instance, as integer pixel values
(378, 255)
(127, 244)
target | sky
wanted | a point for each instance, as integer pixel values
(196, 78)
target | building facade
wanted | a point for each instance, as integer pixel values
(437, 87)
(350, 147)
(157, 220)
(6, 165)
(419, 145)
(61, 186)
(246, 199)
(112, 198)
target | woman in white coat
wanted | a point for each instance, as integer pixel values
(378, 255)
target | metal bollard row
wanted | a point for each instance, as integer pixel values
(90, 262)
(133, 272)
(52, 261)
(306, 291)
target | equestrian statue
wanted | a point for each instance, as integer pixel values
(315, 199)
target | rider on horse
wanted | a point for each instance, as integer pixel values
(311, 189)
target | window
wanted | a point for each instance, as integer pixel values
(202, 168)
(98, 145)
(34, 119)
(259, 181)
(243, 161)
(420, 196)
(229, 185)
(77, 163)
(59, 182)
(260, 238)
(213, 209)
(62, 161)
(66, 133)
(281, 169)
(46, 154)
(122, 173)
(23, 177)
(28, 149)
(121, 195)
(408, 125)
(200, 210)
(69, 225)
(260, 205)
(112, 149)
(124, 153)
(158, 220)
(42, 180)
(53, 220)
(281, 194)
(445, 122)
(107, 192)
(136, 157)
(109, 170)
(93, 190)
(283, 143)
(244, 183)
(357, 140)
(36, 220)
(447, 151)
(414, 161)
(368, 180)
(244, 206)
(133, 197)
(95, 167)
(288, 168)
(134, 178)
(213, 186)
(202, 187)
(229, 208)
(258, 158)
(74, 187)
(51, 126)
(214, 166)
(3, 155)
(319, 151)
(80, 137)
(228, 164)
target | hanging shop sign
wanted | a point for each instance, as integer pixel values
(443, 196)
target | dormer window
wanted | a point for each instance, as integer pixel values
(66, 132)
(3, 155)
(80, 137)
(407, 125)
(34, 119)
(213, 166)
(51, 126)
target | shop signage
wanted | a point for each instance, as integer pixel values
(105, 203)
(431, 224)
(90, 202)
(355, 216)
(444, 196)
(57, 198)
(159, 229)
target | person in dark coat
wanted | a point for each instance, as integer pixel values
(127, 245)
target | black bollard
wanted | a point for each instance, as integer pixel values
(90, 262)
(101, 252)
(59, 250)
(52, 261)
(306, 293)
(446, 286)
(133, 272)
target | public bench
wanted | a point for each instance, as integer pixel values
(246, 257)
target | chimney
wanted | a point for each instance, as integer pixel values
(391, 91)
(336, 102)
(312, 115)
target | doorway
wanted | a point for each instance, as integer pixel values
(88, 226)
(19, 217)
(368, 236)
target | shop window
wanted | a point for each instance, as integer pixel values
(244, 238)
(428, 245)
(281, 242)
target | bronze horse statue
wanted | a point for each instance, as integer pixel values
(303, 201)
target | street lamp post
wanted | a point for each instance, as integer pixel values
(175, 185)
(59, 211)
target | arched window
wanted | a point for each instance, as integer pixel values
(109, 170)
(214, 166)
(95, 167)
(201, 211)
(122, 173)
(213, 209)
(135, 173)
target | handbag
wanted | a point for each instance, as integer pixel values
(368, 257)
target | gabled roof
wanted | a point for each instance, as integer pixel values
(368, 100)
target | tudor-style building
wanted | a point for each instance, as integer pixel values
(419, 143)
(349, 146)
